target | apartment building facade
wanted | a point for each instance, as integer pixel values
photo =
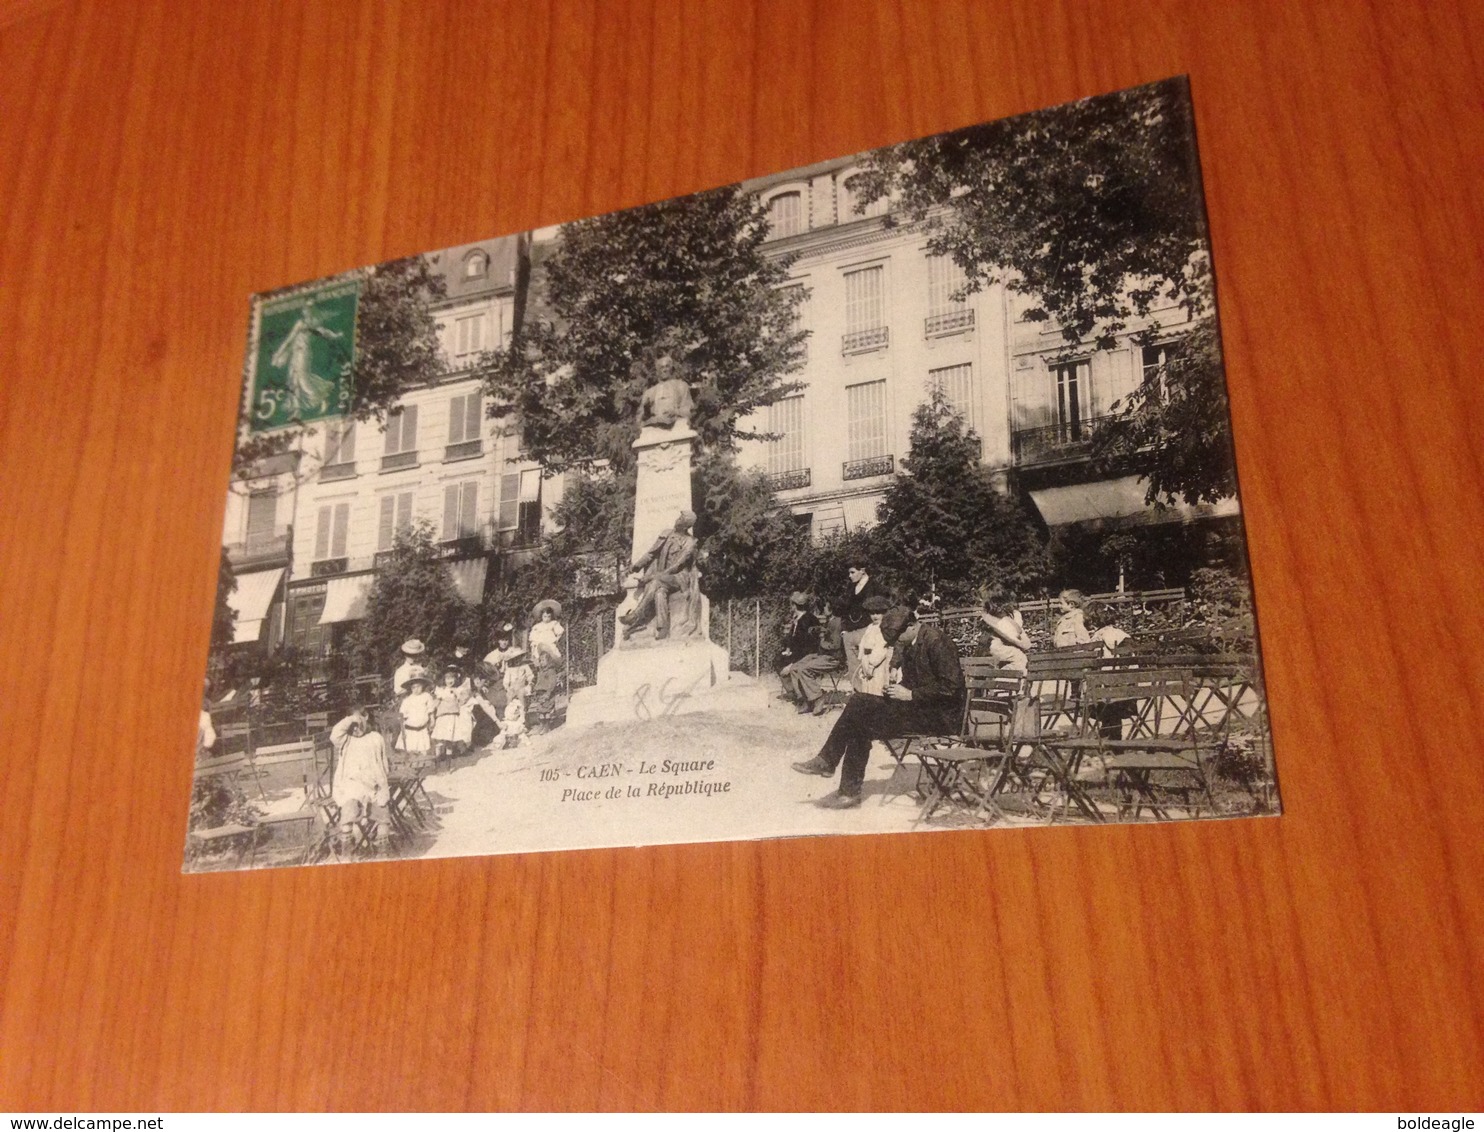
(307, 532)
(888, 322)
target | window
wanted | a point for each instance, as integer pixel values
(1155, 359)
(401, 439)
(463, 426)
(331, 530)
(798, 294)
(304, 630)
(509, 517)
(395, 517)
(340, 452)
(1071, 399)
(786, 420)
(475, 265)
(469, 337)
(460, 510)
(851, 197)
(529, 526)
(865, 420)
(520, 504)
(785, 215)
(865, 310)
(957, 386)
(262, 512)
(946, 314)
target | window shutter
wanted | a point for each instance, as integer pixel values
(409, 428)
(404, 511)
(456, 419)
(471, 423)
(509, 501)
(342, 530)
(262, 510)
(468, 506)
(322, 534)
(451, 512)
(393, 432)
(386, 523)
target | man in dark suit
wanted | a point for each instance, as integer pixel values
(800, 637)
(928, 700)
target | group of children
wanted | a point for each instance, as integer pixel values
(438, 719)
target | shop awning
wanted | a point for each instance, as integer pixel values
(250, 601)
(1119, 503)
(468, 578)
(345, 599)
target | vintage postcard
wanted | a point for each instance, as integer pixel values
(890, 494)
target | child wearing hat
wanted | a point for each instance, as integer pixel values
(545, 633)
(412, 661)
(451, 696)
(873, 672)
(418, 708)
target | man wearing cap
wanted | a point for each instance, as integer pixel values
(928, 700)
(855, 617)
(800, 638)
(412, 660)
(669, 563)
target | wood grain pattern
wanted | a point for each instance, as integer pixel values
(160, 161)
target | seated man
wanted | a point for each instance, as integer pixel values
(829, 656)
(928, 700)
(800, 637)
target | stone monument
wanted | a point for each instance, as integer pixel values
(663, 661)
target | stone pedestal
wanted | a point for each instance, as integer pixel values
(662, 489)
(644, 678)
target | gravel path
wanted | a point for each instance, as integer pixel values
(701, 777)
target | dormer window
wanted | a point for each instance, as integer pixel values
(785, 215)
(476, 265)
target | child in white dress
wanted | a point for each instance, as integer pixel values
(417, 708)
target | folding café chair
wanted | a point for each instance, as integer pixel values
(964, 769)
(1165, 738)
(1055, 678)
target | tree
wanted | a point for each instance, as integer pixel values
(1095, 210)
(1094, 207)
(396, 348)
(1175, 428)
(686, 278)
(412, 596)
(743, 531)
(943, 526)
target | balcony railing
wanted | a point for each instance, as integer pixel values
(870, 466)
(337, 472)
(328, 566)
(399, 460)
(465, 546)
(1067, 440)
(949, 322)
(864, 341)
(790, 480)
(262, 549)
(465, 450)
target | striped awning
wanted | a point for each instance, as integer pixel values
(250, 601)
(345, 599)
(1117, 502)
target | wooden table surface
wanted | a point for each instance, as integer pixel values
(160, 161)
